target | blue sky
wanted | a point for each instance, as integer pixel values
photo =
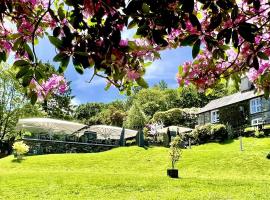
(164, 69)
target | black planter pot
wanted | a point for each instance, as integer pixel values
(173, 173)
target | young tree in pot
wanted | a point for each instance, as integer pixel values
(175, 154)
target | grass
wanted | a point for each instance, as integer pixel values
(211, 171)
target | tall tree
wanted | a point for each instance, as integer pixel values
(136, 118)
(60, 106)
(11, 101)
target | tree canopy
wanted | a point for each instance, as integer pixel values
(228, 37)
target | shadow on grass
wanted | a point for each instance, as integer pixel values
(15, 160)
(226, 142)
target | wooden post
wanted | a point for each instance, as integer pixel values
(241, 143)
(189, 143)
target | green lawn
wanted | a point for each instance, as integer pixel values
(212, 171)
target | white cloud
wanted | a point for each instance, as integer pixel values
(75, 101)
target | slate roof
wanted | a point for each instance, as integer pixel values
(229, 100)
(111, 132)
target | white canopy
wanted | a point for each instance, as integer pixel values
(48, 125)
(181, 129)
(112, 132)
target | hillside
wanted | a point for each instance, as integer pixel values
(211, 171)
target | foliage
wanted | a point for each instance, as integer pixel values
(112, 114)
(20, 148)
(86, 111)
(11, 102)
(228, 38)
(234, 116)
(209, 132)
(177, 116)
(175, 150)
(136, 118)
(202, 164)
(259, 134)
(28, 110)
(59, 105)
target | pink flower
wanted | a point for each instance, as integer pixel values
(252, 74)
(133, 75)
(123, 43)
(55, 84)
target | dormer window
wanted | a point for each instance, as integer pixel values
(214, 116)
(255, 105)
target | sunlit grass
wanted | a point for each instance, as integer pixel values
(211, 171)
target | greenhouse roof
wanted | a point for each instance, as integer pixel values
(48, 125)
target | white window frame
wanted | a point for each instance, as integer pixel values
(214, 116)
(255, 105)
(256, 121)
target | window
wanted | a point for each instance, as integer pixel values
(256, 121)
(214, 116)
(255, 105)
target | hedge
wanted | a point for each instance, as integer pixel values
(209, 132)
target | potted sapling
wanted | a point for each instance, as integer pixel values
(175, 155)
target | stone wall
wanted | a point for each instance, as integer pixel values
(48, 147)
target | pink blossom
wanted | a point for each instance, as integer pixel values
(133, 75)
(123, 43)
(252, 74)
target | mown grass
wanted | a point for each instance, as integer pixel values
(211, 171)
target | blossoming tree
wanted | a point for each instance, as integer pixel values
(228, 37)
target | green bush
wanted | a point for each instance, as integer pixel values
(177, 116)
(259, 134)
(268, 156)
(209, 132)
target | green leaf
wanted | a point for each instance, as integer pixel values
(141, 82)
(17, 44)
(180, 70)
(81, 53)
(209, 91)
(234, 13)
(248, 31)
(26, 80)
(132, 24)
(56, 42)
(3, 56)
(147, 64)
(262, 55)
(194, 21)
(33, 97)
(189, 40)
(79, 68)
(215, 21)
(22, 72)
(145, 8)
(196, 48)
(108, 86)
(60, 57)
(29, 51)
(132, 45)
(61, 13)
(64, 64)
(20, 63)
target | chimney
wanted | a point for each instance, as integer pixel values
(245, 84)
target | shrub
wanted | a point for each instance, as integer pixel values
(175, 150)
(209, 132)
(268, 156)
(259, 134)
(20, 148)
(177, 116)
